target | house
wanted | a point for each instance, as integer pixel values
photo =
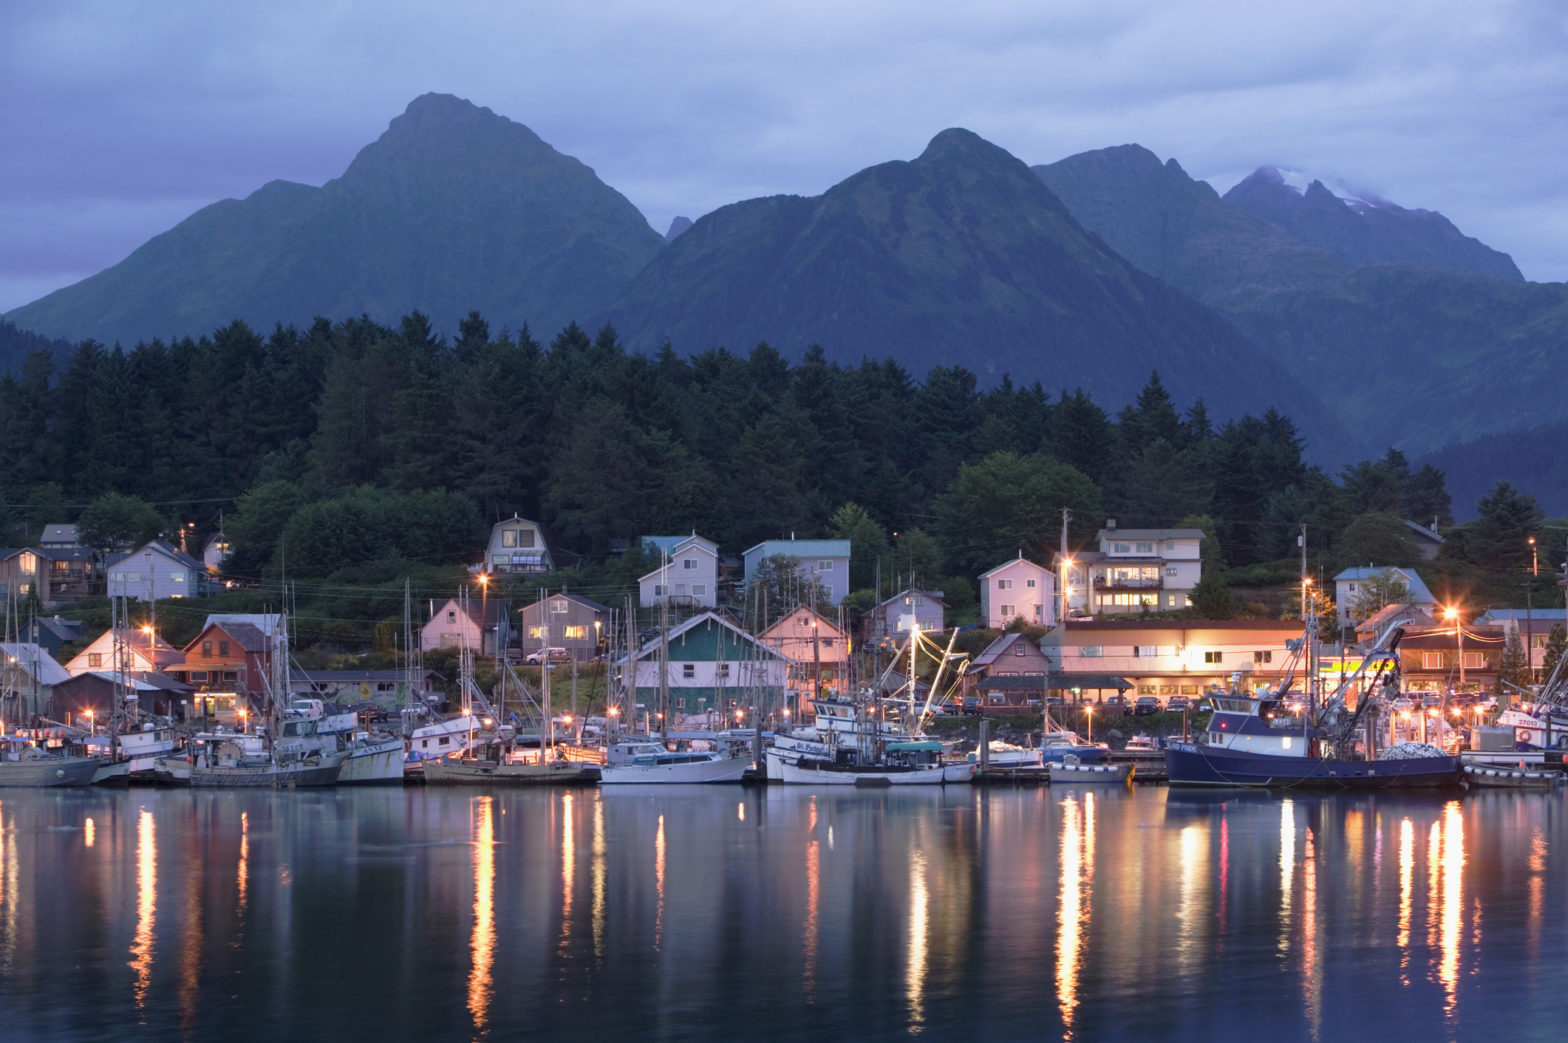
(58, 536)
(1166, 658)
(483, 626)
(230, 665)
(713, 665)
(157, 571)
(141, 651)
(1357, 591)
(1427, 540)
(1012, 671)
(687, 577)
(66, 574)
(145, 693)
(818, 652)
(825, 561)
(215, 552)
(269, 623)
(518, 545)
(362, 686)
(1535, 629)
(1442, 658)
(566, 621)
(1371, 628)
(1134, 570)
(19, 575)
(28, 675)
(53, 633)
(1018, 589)
(891, 620)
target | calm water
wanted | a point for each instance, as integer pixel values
(1081, 913)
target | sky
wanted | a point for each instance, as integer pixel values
(122, 117)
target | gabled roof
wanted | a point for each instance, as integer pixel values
(35, 662)
(671, 544)
(485, 613)
(1012, 562)
(650, 647)
(929, 595)
(1422, 532)
(826, 626)
(142, 681)
(247, 635)
(167, 550)
(59, 532)
(802, 548)
(266, 622)
(997, 648)
(64, 629)
(1150, 534)
(587, 603)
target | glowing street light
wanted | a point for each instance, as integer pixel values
(1088, 714)
(1452, 612)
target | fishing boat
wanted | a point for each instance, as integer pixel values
(38, 758)
(851, 744)
(1272, 740)
(643, 761)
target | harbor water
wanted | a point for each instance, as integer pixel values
(673, 913)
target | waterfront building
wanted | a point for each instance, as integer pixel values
(818, 651)
(713, 665)
(1167, 658)
(1135, 569)
(1018, 589)
(1012, 671)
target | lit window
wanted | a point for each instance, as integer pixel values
(578, 632)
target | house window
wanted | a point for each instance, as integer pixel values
(178, 577)
(658, 590)
(688, 670)
(577, 632)
(724, 670)
(536, 633)
(825, 565)
(445, 739)
(680, 704)
(198, 676)
(451, 617)
(94, 659)
(1121, 548)
(1170, 570)
(1263, 657)
(1145, 547)
(206, 649)
(1475, 661)
(1029, 583)
(1170, 544)
(688, 563)
(1004, 584)
(1018, 648)
(223, 649)
(1214, 657)
(1007, 612)
(827, 642)
(558, 608)
(1144, 651)
(1091, 651)
(699, 590)
(1431, 660)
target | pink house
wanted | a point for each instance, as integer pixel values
(816, 648)
(1020, 589)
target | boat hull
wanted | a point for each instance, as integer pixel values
(1192, 764)
(49, 772)
(487, 773)
(808, 772)
(1513, 778)
(720, 770)
(1114, 774)
(379, 762)
(265, 776)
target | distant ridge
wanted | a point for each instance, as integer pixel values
(453, 209)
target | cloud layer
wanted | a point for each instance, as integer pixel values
(123, 118)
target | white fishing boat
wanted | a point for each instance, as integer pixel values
(41, 758)
(644, 761)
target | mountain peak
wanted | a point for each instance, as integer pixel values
(958, 142)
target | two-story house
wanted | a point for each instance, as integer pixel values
(141, 651)
(19, 569)
(1012, 671)
(481, 625)
(818, 652)
(518, 545)
(66, 574)
(1164, 659)
(577, 624)
(1446, 657)
(1018, 589)
(892, 619)
(156, 571)
(229, 664)
(824, 561)
(713, 665)
(687, 576)
(1136, 569)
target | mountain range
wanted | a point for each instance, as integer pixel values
(1371, 325)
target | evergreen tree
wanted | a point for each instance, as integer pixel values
(1514, 667)
(1556, 645)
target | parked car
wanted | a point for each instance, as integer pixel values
(1177, 704)
(1146, 705)
(1116, 704)
(551, 655)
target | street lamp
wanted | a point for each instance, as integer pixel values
(1088, 716)
(1452, 612)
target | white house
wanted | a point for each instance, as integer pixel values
(157, 571)
(826, 561)
(141, 650)
(1135, 568)
(687, 576)
(518, 545)
(1351, 593)
(1018, 589)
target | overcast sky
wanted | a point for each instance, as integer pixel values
(121, 117)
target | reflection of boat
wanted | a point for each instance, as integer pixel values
(639, 761)
(27, 759)
(469, 771)
(1254, 740)
(1512, 778)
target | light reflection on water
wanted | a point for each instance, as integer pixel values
(716, 913)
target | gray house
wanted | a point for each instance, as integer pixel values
(565, 621)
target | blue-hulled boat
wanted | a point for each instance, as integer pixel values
(1269, 741)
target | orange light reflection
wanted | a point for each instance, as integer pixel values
(482, 943)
